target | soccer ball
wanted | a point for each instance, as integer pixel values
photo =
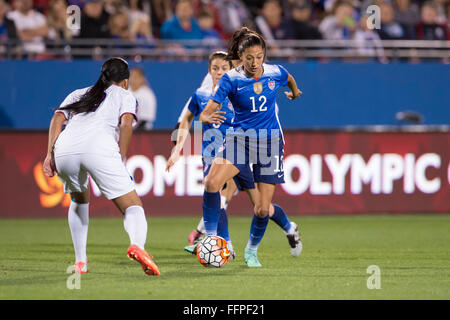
(213, 251)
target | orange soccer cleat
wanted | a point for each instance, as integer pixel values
(141, 256)
(81, 267)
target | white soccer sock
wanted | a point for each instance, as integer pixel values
(291, 230)
(230, 245)
(201, 226)
(78, 218)
(136, 225)
(223, 202)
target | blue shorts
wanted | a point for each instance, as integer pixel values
(262, 159)
(243, 180)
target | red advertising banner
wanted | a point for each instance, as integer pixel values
(326, 172)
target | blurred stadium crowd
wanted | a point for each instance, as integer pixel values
(40, 25)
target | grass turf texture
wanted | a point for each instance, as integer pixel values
(412, 252)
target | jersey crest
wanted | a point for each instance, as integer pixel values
(257, 87)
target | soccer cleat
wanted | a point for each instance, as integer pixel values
(251, 258)
(232, 252)
(295, 241)
(191, 249)
(195, 236)
(141, 256)
(80, 267)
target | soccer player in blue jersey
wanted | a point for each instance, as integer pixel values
(213, 136)
(254, 147)
(192, 108)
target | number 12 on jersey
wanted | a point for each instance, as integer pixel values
(262, 105)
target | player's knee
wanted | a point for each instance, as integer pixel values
(260, 211)
(212, 184)
(80, 197)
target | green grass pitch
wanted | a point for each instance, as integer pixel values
(411, 251)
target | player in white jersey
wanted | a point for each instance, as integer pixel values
(99, 121)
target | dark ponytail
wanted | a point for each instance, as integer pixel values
(242, 39)
(113, 70)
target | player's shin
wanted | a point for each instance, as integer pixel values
(257, 230)
(222, 226)
(281, 219)
(78, 218)
(135, 225)
(211, 212)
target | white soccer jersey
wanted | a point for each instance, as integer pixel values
(95, 132)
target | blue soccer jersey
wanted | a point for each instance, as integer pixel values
(213, 134)
(253, 99)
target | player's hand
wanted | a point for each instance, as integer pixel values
(291, 96)
(49, 166)
(173, 158)
(216, 117)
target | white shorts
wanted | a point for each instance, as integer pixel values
(109, 173)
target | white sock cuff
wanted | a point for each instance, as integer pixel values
(134, 210)
(79, 205)
(291, 230)
(201, 226)
(223, 202)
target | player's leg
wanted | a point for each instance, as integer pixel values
(115, 183)
(197, 233)
(78, 218)
(277, 214)
(222, 227)
(201, 227)
(134, 220)
(273, 172)
(225, 196)
(135, 225)
(259, 222)
(289, 228)
(195, 237)
(222, 224)
(226, 193)
(221, 171)
(75, 181)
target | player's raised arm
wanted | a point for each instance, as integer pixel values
(295, 91)
(55, 129)
(211, 115)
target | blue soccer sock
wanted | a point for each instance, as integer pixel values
(211, 212)
(280, 218)
(222, 227)
(257, 230)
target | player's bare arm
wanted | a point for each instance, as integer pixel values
(126, 131)
(211, 115)
(295, 91)
(182, 133)
(55, 129)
